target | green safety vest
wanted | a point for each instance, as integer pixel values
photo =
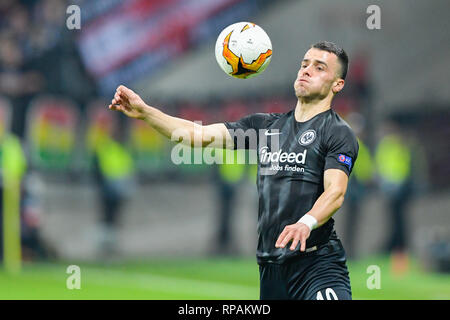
(114, 160)
(13, 164)
(253, 172)
(232, 171)
(363, 170)
(393, 159)
(13, 159)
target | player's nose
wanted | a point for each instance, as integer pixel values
(308, 70)
(304, 72)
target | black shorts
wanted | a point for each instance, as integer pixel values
(317, 275)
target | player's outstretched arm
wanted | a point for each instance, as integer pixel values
(129, 103)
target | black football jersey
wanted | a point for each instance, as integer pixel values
(292, 157)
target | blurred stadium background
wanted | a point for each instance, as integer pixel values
(189, 231)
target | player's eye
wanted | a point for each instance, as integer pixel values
(320, 68)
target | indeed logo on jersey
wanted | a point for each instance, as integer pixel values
(267, 156)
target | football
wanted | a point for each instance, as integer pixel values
(243, 50)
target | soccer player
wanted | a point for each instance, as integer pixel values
(305, 157)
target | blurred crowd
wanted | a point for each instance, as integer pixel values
(38, 55)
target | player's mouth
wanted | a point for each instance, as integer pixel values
(302, 80)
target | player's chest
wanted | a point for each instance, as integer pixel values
(291, 149)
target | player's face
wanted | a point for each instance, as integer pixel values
(318, 75)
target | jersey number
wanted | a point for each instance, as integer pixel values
(329, 294)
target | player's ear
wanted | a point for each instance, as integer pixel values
(338, 85)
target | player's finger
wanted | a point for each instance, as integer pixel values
(115, 105)
(294, 243)
(280, 238)
(125, 97)
(286, 239)
(124, 91)
(303, 242)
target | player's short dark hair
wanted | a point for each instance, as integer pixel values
(338, 51)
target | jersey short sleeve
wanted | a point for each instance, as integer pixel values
(246, 130)
(342, 149)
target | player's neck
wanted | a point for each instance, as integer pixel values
(305, 110)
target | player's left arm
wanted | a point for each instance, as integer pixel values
(335, 187)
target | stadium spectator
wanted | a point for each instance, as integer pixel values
(358, 189)
(359, 184)
(34, 246)
(113, 171)
(18, 81)
(393, 161)
(15, 176)
(228, 177)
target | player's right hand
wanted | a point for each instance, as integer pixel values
(129, 103)
(297, 232)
